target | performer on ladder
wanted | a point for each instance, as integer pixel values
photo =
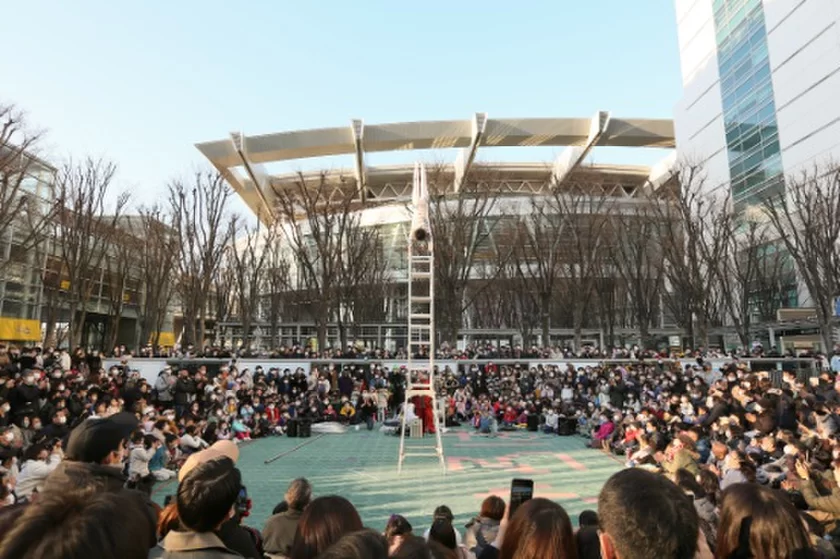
(420, 389)
(425, 411)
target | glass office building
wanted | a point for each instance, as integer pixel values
(748, 105)
(761, 79)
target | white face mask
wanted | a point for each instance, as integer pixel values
(62, 420)
(9, 436)
(6, 407)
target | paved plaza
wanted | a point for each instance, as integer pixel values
(362, 466)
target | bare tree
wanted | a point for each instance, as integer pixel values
(84, 228)
(21, 213)
(582, 209)
(461, 219)
(54, 294)
(753, 273)
(636, 255)
(363, 278)
(693, 224)
(315, 218)
(118, 272)
(276, 287)
(503, 297)
(222, 301)
(157, 260)
(806, 218)
(202, 226)
(247, 259)
(538, 256)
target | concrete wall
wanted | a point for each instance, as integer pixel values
(804, 44)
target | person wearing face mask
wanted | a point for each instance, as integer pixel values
(23, 398)
(57, 429)
(27, 431)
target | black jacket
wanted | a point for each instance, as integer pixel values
(23, 399)
(183, 388)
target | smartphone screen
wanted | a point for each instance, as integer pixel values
(521, 490)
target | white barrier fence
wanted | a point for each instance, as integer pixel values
(150, 368)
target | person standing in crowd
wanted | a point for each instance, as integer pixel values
(78, 524)
(165, 388)
(279, 532)
(323, 523)
(205, 500)
(587, 540)
(539, 529)
(443, 512)
(482, 530)
(756, 521)
(397, 531)
(644, 515)
(185, 391)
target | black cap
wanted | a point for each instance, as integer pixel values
(94, 439)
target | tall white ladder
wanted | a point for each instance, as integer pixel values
(420, 373)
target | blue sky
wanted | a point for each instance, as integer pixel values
(142, 82)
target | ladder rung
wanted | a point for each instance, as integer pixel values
(420, 342)
(421, 299)
(421, 275)
(418, 316)
(421, 326)
(421, 454)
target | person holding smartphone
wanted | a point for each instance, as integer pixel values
(532, 527)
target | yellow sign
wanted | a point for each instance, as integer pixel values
(165, 339)
(20, 330)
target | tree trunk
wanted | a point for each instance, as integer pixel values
(545, 309)
(114, 331)
(246, 333)
(322, 334)
(202, 329)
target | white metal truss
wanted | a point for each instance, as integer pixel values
(420, 374)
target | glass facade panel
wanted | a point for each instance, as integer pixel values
(749, 112)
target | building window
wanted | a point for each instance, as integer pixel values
(749, 112)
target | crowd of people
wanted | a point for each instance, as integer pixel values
(448, 352)
(730, 462)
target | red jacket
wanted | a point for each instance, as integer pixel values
(273, 415)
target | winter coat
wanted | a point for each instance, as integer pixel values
(706, 511)
(279, 532)
(184, 390)
(164, 387)
(481, 534)
(683, 460)
(34, 473)
(138, 461)
(830, 503)
(191, 545)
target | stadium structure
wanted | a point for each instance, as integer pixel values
(381, 195)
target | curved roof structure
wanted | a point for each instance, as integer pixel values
(239, 158)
